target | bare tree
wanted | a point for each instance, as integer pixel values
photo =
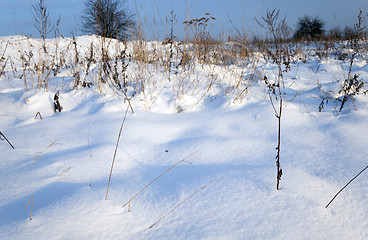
(309, 29)
(107, 18)
(41, 19)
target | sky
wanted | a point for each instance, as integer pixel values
(16, 15)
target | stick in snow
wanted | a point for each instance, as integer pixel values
(158, 178)
(38, 155)
(345, 186)
(180, 204)
(38, 114)
(66, 170)
(116, 150)
(31, 206)
(3, 136)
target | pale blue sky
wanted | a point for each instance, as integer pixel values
(16, 15)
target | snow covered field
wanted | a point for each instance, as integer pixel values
(61, 163)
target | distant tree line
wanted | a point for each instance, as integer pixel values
(111, 19)
(312, 29)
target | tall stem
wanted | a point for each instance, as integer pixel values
(279, 170)
(116, 150)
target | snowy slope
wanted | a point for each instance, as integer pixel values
(64, 159)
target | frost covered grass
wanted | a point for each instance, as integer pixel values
(218, 110)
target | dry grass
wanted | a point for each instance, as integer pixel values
(30, 201)
(115, 152)
(191, 67)
(39, 154)
(145, 187)
(180, 204)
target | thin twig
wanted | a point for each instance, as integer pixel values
(128, 100)
(31, 206)
(38, 114)
(66, 170)
(116, 150)
(272, 104)
(40, 153)
(125, 95)
(279, 170)
(180, 204)
(2, 135)
(158, 178)
(345, 186)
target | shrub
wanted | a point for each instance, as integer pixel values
(309, 29)
(335, 33)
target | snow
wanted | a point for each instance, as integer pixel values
(64, 159)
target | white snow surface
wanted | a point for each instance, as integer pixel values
(64, 159)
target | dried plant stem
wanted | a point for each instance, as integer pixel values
(116, 150)
(180, 204)
(2, 135)
(38, 114)
(279, 170)
(158, 178)
(129, 103)
(66, 170)
(40, 153)
(345, 186)
(30, 200)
